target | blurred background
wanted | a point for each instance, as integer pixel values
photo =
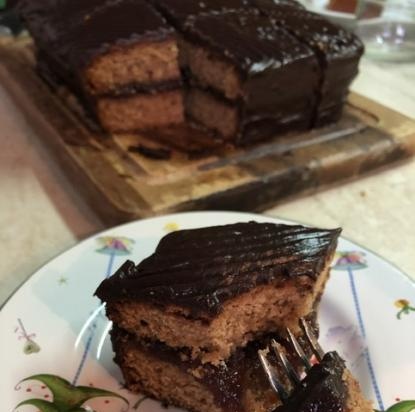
(387, 27)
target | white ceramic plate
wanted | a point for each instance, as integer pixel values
(347, 20)
(54, 330)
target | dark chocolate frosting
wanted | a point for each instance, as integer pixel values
(177, 12)
(327, 39)
(323, 390)
(250, 41)
(201, 269)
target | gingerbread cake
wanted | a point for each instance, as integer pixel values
(124, 69)
(337, 50)
(249, 69)
(240, 66)
(215, 289)
(190, 320)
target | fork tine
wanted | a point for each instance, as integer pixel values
(291, 372)
(317, 350)
(272, 377)
(299, 350)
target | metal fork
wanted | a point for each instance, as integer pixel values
(288, 368)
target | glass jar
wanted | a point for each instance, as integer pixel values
(387, 28)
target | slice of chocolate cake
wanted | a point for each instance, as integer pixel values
(337, 50)
(236, 385)
(249, 78)
(214, 289)
(125, 68)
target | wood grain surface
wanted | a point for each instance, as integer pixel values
(122, 184)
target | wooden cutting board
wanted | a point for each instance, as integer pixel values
(122, 184)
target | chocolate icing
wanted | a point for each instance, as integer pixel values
(323, 389)
(177, 12)
(201, 269)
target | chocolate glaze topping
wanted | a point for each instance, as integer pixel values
(177, 12)
(325, 38)
(201, 269)
(250, 41)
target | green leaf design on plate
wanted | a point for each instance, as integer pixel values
(69, 398)
(41, 404)
(404, 406)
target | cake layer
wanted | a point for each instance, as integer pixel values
(146, 64)
(237, 385)
(216, 114)
(172, 377)
(210, 70)
(225, 118)
(215, 289)
(272, 75)
(140, 111)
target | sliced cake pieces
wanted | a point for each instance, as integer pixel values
(337, 50)
(249, 79)
(215, 289)
(121, 57)
(250, 70)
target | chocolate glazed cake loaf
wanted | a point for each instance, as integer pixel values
(190, 319)
(123, 67)
(213, 290)
(250, 69)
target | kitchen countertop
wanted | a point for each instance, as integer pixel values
(41, 214)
